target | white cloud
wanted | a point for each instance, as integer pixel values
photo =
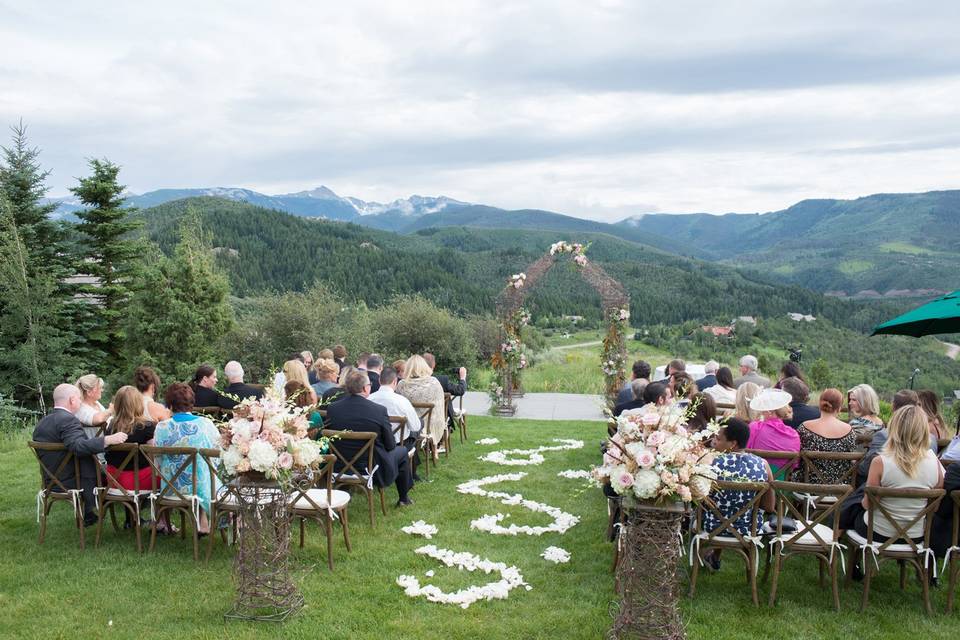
(593, 109)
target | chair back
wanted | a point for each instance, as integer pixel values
(50, 480)
(354, 452)
(131, 462)
(399, 426)
(727, 527)
(185, 471)
(322, 479)
(101, 428)
(807, 532)
(424, 412)
(813, 471)
(789, 460)
(875, 496)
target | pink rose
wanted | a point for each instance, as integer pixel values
(684, 492)
(656, 438)
(625, 478)
(285, 460)
(646, 458)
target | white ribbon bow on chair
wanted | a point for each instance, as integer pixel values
(946, 558)
(928, 558)
(695, 547)
(40, 497)
(758, 543)
(370, 476)
(874, 548)
(75, 499)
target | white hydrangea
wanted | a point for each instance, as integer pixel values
(306, 452)
(231, 458)
(700, 486)
(646, 483)
(262, 456)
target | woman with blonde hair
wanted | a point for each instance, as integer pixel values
(91, 413)
(745, 393)
(931, 404)
(419, 385)
(863, 406)
(295, 371)
(128, 418)
(905, 462)
(327, 371)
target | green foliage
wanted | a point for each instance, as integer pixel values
(272, 327)
(413, 324)
(178, 319)
(820, 374)
(110, 256)
(486, 334)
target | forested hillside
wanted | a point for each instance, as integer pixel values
(463, 268)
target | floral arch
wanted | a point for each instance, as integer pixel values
(510, 360)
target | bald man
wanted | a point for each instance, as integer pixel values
(62, 426)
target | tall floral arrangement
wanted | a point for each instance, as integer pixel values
(510, 357)
(613, 359)
(268, 436)
(654, 457)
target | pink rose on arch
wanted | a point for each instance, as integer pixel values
(285, 460)
(656, 438)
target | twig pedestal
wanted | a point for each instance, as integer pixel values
(265, 589)
(647, 573)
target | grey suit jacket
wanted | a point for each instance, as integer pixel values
(753, 377)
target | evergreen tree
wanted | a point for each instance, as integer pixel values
(179, 319)
(109, 258)
(33, 347)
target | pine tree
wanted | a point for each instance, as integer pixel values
(110, 258)
(179, 321)
(33, 348)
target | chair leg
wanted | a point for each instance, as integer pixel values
(867, 574)
(43, 521)
(953, 570)
(113, 519)
(852, 563)
(693, 576)
(302, 526)
(903, 575)
(834, 583)
(752, 573)
(370, 506)
(383, 504)
(78, 516)
(153, 531)
(776, 576)
(100, 513)
(328, 528)
(925, 585)
(345, 525)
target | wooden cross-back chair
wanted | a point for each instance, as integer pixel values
(812, 472)
(223, 501)
(951, 564)
(53, 489)
(355, 465)
(110, 493)
(900, 546)
(425, 413)
(817, 535)
(726, 536)
(785, 470)
(398, 424)
(170, 498)
(320, 502)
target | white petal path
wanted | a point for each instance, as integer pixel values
(491, 522)
(530, 456)
(576, 474)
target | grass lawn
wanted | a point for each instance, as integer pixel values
(55, 590)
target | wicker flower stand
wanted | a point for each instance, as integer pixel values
(647, 574)
(265, 589)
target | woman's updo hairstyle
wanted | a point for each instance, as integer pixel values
(831, 400)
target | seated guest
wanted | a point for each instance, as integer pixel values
(455, 390)
(704, 412)
(307, 359)
(128, 418)
(825, 433)
(62, 427)
(930, 402)
(91, 413)
(745, 393)
(185, 429)
(770, 433)
(374, 367)
(790, 369)
(361, 364)
(905, 462)
(655, 396)
(396, 404)
(421, 387)
(864, 410)
(335, 393)
(294, 371)
(903, 398)
(710, 375)
(204, 386)
(675, 366)
(355, 412)
(800, 393)
(723, 392)
(683, 387)
(733, 464)
(748, 373)
(398, 366)
(636, 387)
(340, 356)
(941, 530)
(233, 370)
(324, 354)
(640, 371)
(147, 383)
(295, 393)
(327, 372)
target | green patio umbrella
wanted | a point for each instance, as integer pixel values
(937, 316)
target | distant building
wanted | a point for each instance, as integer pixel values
(797, 317)
(573, 319)
(745, 319)
(717, 331)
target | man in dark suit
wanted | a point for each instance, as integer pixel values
(374, 368)
(62, 426)
(641, 371)
(636, 387)
(355, 413)
(340, 356)
(455, 390)
(710, 375)
(800, 393)
(233, 370)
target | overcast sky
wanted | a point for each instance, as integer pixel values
(598, 109)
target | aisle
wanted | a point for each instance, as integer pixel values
(542, 406)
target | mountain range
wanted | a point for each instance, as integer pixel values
(884, 245)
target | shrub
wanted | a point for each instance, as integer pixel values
(413, 324)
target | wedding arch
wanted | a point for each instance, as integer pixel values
(510, 360)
